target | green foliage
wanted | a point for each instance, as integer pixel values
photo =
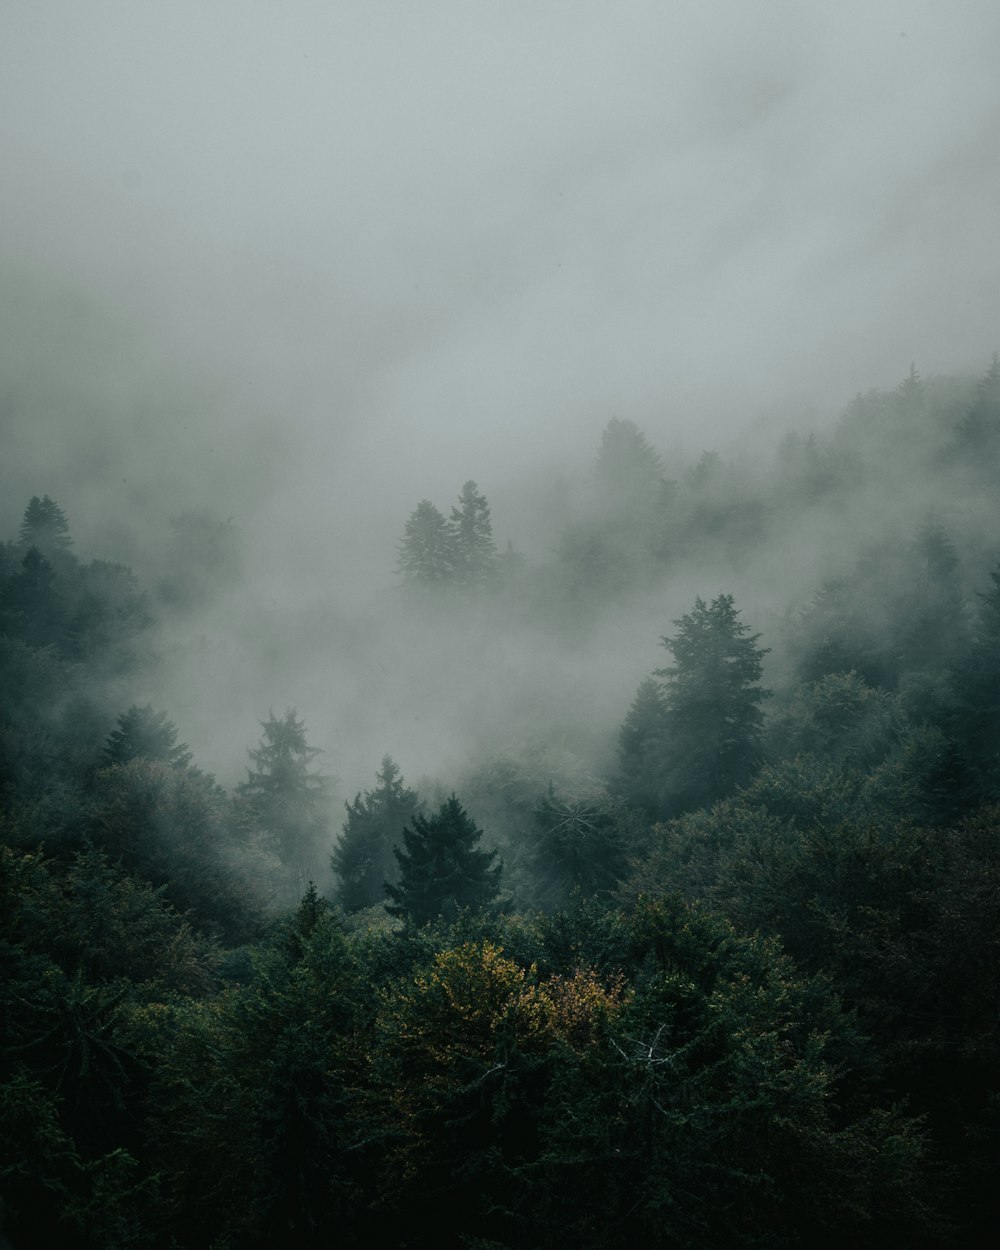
(581, 845)
(441, 869)
(363, 857)
(287, 799)
(473, 551)
(713, 717)
(44, 527)
(144, 734)
(426, 555)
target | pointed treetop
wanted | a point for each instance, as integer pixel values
(44, 526)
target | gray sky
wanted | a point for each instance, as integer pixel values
(421, 232)
(331, 258)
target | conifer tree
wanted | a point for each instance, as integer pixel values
(441, 869)
(287, 799)
(712, 691)
(475, 553)
(144, 734)
(44, 526)
(363, 857)
(639, 779)
(427, 552)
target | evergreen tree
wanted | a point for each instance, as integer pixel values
(978, 434)
(441, 869)
(287, 799)
(627, 466)
(713, 695)
(427, 552)
(148, 735)
(580, 846)
(36, 604)
(363, 857)
(475, 553)
(44, 526)
(639, 778)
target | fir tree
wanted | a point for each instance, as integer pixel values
(441, 869)
(363, 857)
(44, 526)
(144, 734)
(639, 778)
(713, 695)
(475, 553)
(427, 552)
(287, 799)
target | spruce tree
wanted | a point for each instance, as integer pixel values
(44, 526)
(427, 552)
(363, 857)
(712, 691)
(144, 734)
(639, 777)
(475, 553)
(286, 798)
(441, 869)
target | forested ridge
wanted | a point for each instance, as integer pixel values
(719, 972)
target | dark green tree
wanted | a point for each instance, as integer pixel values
(144, 734)
(287, 799)
(641, 740)
(44, 526)
(35, 603)
(363, 856)
(581, 845)
(427, 552)
(475, 553)
(441, 869)
(713, 696)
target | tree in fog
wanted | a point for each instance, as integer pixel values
(144, 734)
(441, 869)
(639, 777)
(44, 527)
(287, 799)
(427, 552)
(474, 552)
(713, 697)
(363, 856)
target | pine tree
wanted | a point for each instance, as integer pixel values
(288, 800)
(363, 857)
(148, 735)
(627, 466)
(427, 552)
(713, 695)
(639, 778)
(441, 869)
(44, 526)
(475, 553)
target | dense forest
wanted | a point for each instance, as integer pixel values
(705, 964)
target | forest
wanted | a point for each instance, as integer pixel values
(694, 945)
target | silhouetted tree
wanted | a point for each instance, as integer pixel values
(288, 800)
(44, 526)
(144, 734)
(641, 746)
(475, 553)
(363, 857)
(441, 869)
(713, 695)
(427, 552)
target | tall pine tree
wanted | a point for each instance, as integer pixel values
(363, 856)
(441, 869)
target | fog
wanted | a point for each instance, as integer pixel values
(300, 267)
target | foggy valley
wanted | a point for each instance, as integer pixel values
(499, 625)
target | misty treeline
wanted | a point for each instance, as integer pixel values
(733, 983)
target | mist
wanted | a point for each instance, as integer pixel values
(299, 271)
